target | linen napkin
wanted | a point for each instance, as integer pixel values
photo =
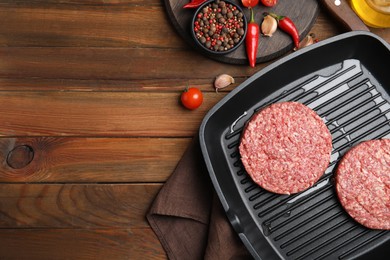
(188, 217)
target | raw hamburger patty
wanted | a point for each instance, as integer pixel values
(363, 183)
(285, 147)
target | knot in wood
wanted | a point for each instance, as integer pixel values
(20, 156)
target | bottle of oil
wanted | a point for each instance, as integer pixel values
(374, 13)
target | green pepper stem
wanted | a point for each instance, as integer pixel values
(277, 17)
(252, 15)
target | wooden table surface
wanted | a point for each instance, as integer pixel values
(90, 124)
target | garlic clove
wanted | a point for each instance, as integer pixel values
(222, 81)
(269, 26)
(308, 40)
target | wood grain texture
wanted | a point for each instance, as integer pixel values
(138, 85)
(110, 64)
(42, 244)
(99, 114)
(90, 123)
(86, 206)
(89, 25)
(82, 67)
(61, 159)
(344, 13)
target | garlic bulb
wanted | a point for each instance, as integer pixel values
(222, 81)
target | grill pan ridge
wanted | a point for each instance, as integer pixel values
(344, 79)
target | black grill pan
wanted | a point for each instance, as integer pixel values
(346, 80)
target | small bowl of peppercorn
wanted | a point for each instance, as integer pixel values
(218, 27)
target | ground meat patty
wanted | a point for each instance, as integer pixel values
(285, 147)
(363, 183)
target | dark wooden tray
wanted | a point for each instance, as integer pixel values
(302, 12)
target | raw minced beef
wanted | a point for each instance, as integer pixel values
(363, 183)
(285, 147)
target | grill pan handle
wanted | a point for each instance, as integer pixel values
(344, 13)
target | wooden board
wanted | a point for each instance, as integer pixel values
(302, 12)
(65, 244)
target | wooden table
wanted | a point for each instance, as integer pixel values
(90, 124)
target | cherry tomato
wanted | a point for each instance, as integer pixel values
(249, 3)
(191, 98)
(269, 3)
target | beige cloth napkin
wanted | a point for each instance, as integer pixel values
(188, 218)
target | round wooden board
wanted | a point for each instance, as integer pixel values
(302, 12)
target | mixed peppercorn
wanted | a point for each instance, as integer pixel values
(219, 26)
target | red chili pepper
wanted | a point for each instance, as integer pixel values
(287, 25)
(194, 3)
(252, 40)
